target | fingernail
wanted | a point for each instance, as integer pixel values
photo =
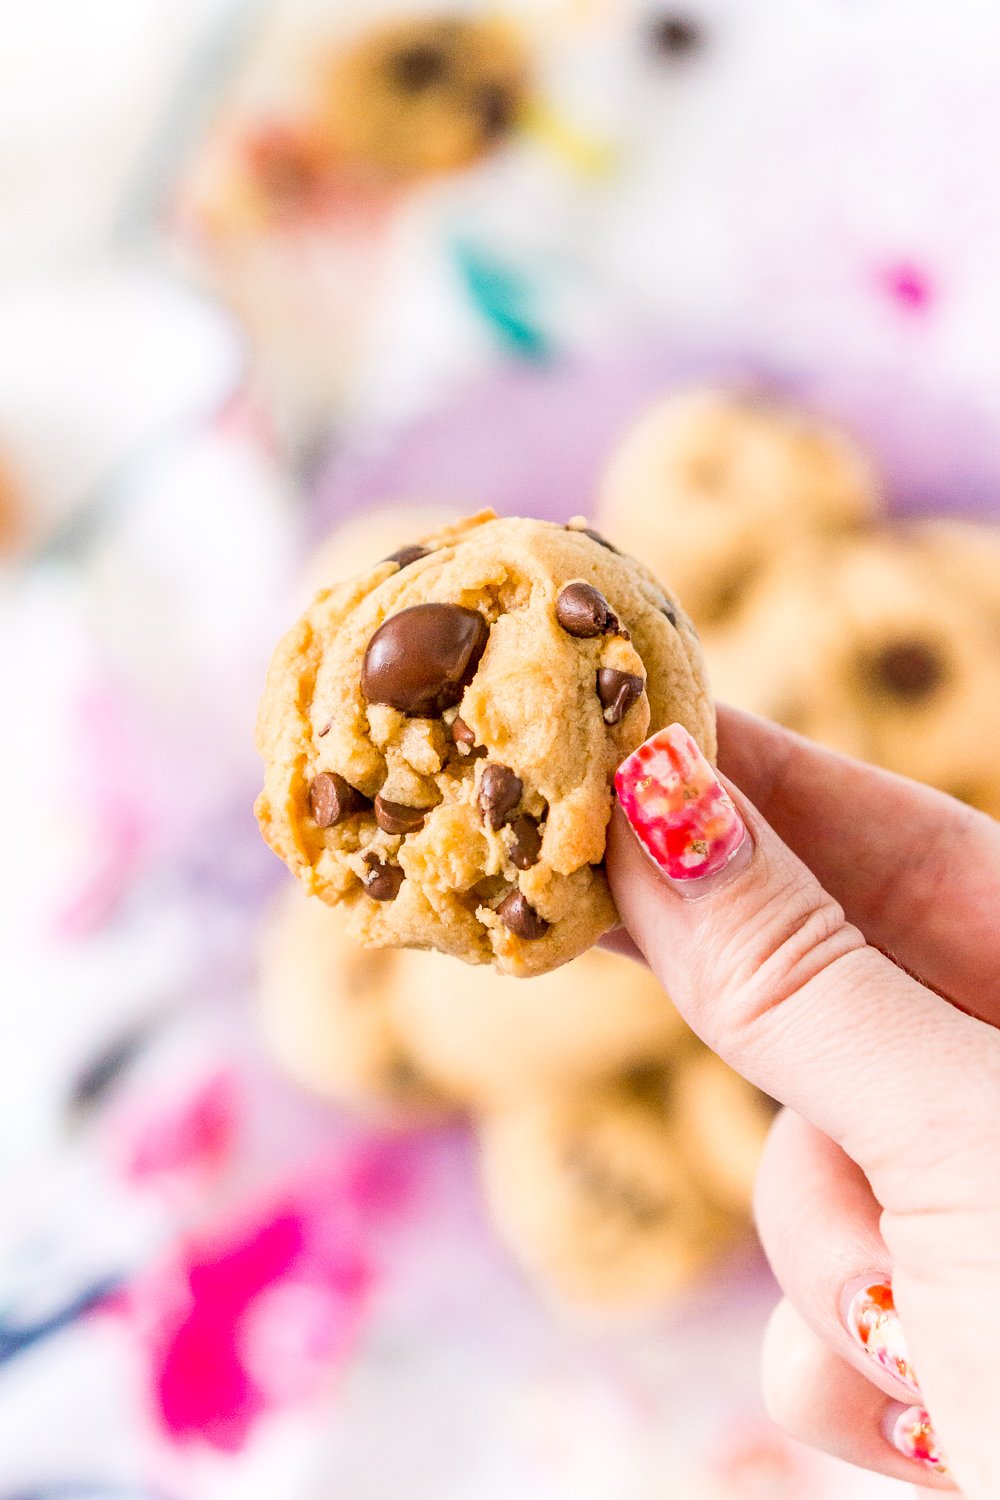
(873, 1322)
(912, 1435)
(681, 813)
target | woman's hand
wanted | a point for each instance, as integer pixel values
(879, 1195)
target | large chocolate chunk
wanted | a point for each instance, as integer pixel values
(909, 669)
(421, 660)
(332, 799)
(499, 793)
(520, 917)
(617, 692)
(583, 611)
(383, 880)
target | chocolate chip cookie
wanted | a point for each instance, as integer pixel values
(427, 94)
(403, 1029)
(440, 736)
(487, 1038)
(594, 1194)
(361, 542)
(327, 1013)
(886, 647)
(709, 485)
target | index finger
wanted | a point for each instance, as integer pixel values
(766, 969)
(918, 872)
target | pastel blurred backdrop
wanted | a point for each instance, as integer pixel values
(213, 348)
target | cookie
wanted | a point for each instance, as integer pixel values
(425, 95)
(884, 647)
(363, 541)
(708, 485)
(354, 1024)
(967, 558)
(488, 1039)
(595, 1196)
(325, 127)
(326, 1012)
(440, 735)
(722, 1123)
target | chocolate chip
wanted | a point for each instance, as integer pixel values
(617, 692)
(325, 730)
(396, 817)
(583, 611)
(521, 918)
(908, 669)
(406, 555)
(332, 799)
(496, 106)
(384, 880)
(421, 660)
(676, 36)
(489, 889)
(601, 1180)
(499, 793)
(526, 844)
(595, 536)
(665, 609)
(465, 741)
(420, 67)
(404, 1077)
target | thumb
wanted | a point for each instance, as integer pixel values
(763, 964)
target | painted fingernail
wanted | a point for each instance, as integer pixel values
(680, 811)
(872, 1320)
(912, 1435)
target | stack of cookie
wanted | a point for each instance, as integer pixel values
(878, 639)
(617, 1153)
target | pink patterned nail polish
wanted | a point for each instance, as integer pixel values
(912, 1434)
(873, 1321)
(683, 815)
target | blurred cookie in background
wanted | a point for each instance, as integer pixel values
(359, 1025)
(326, 1011)
(722, 1122)
(324, 113)
(709, 486)
(882, 646)
(488, 1038)
(967, 558)
(288, 208)
(359, 543)
(599, 1198)
(423, 95)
